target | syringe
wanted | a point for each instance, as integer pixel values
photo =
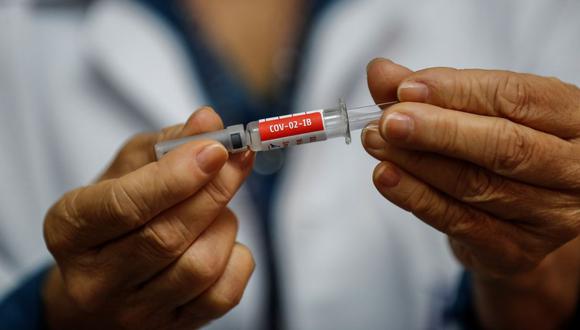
(283, 131)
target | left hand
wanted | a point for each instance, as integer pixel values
(490, 158)
(148, 229)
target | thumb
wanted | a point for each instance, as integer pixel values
(138, 151)
(545, 104)
(383, 77)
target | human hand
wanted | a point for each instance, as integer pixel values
(492, 159)
(152, 244)
(500, 176)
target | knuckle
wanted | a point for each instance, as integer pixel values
(565, 229)
(218, 193)
(221, 303)
(461, 91)
(136, 152)
(171, 132)
(476, 185)
(520, 261)
(462, 252)
(123, 207)
(164, 242)
(513, 150)
(136, 142)
(61, 219)
(54, 242)
(512, 97)
(247, 255)
(202, 270)
(423, 203)
(414, 157)
(231, 218)
(449, 137)
(410, 203)
(463, 222)
(169, 182)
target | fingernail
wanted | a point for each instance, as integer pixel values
(371, 138)
(248, 157)
(387, 176)
(211, 157)
(398, 126)
(196, 114)
(244, 159)
(376, 60)
(205, 111)
(412, 91)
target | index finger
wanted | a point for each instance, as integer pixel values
(383, 77)
(90, 216)
(139, 150)
(545, 104)
(497, 144)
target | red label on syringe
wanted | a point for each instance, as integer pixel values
(280, 132)
(285, 126)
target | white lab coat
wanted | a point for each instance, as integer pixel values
(77, 80)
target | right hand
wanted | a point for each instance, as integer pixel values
(152, 245)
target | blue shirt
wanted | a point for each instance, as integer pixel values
(233, 101)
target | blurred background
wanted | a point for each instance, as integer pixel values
(78, 78)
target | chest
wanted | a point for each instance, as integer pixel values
(253, 38)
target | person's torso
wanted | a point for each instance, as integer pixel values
(74, 86)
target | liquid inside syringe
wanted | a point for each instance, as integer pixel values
(284, 131)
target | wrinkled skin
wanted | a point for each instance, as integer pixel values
(492, 159)
(150, 245)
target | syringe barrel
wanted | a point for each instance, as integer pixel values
(336, 123)
(232, 137)
(295, 129)
(283, 131)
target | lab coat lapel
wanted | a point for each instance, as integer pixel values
(142, 58)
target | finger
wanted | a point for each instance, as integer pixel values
(139, 151)
(142, 254)
(196, 270)
(95, 214)
(497, 144)
(136, 153)
(545, 104)
(492, 245)
(383, 77)
(202, 121)
(208, 120)
(223, 295)
(503, 198)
